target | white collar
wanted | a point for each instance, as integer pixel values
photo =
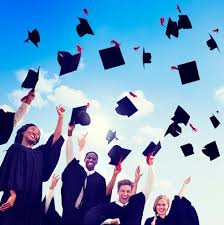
(89, 172)
(120, 203)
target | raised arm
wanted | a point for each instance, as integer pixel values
(50, 192)
(184, 187)
(57, 133)
(112, 181)
(138, 175)
(150, 179)
(24, 107)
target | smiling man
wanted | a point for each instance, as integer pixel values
(128, 209)
(82, 186)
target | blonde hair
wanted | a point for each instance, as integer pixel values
(157, 200)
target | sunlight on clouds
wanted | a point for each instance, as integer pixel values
(6, 108)
(219, 94)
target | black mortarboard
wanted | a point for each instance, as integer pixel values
(126, 107)
(34, 37)
(146, 57)
(187, 149)
(68, 62)
(152, 149)
(6, 127)
(110, 136)
(172, 29)
(181, 116)
(215, 121)
(174, 129)
(211, 150)
(184, 22)
(31, 79)
(80, 116)
(212, 43)
(188, 72)
(83, 28)
(111, 57)
(117, 154)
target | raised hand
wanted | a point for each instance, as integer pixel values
(82, 141)
(138, 174)
(60, 110)
(54, 181)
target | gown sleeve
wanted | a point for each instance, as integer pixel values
(12, 170)
(51, 154)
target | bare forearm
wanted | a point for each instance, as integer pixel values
(69, 150)
(182, 190)
(110, 185)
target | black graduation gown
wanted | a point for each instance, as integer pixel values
(73, 179)
(23, 170)
(51, 217)
(6, 125)
(131, 214)
(181, 213)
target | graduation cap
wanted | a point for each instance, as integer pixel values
(188, 72)
(212, 43)
(146, 57)
(211, 150)
(181, 116)
(187, 149)
(31, 79)
(80, 116)
(184, 22)
(172, 29)
(152, 149)
(68, 62)
(126, 107)
(34, 37)
(83, 28)
(174, 129)
(215, 121)
(111, 57)
(110, 136)
(117, 154)
(6, 127)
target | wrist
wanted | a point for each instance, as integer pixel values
(69, 133)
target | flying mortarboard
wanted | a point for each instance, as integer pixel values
(126, 107)
(187, 149)
(184, 22)
(31, 79)
(111, 57)
(33, 37)
(212, 43)
(152, 149)
(117, 154)
(181, 116)
(83, 28)
(188, 72)
(172, 29)
(215, 121)
(174, 129)
(80, 116)
(111, 136)
(68, 62)
(211, 150)
(146, 57)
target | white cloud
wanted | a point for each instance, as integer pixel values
(147, 134)
(219, 94)
(6, 108)
(82, 65)
(143, 105)
(164, 185)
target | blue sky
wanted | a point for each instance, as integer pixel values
(131, 23)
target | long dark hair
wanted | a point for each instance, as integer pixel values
(19, 134)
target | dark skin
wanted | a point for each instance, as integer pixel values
(91, 160)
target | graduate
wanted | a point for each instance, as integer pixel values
(49, 214)
(8, 120)
(82, 186)
(181, 211)
(23, 170)
(128, 209)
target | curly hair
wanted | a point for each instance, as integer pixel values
(19, 134)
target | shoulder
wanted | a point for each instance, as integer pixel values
(99, 176)
(149, 220)
(138, 197)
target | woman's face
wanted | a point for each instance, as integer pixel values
(162, 207)
(31, 135)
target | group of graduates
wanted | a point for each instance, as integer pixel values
(84, 193)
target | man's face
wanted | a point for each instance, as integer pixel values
(124, 193)
(91, 160)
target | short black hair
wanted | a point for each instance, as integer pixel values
(19, 133)
(91, 152)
